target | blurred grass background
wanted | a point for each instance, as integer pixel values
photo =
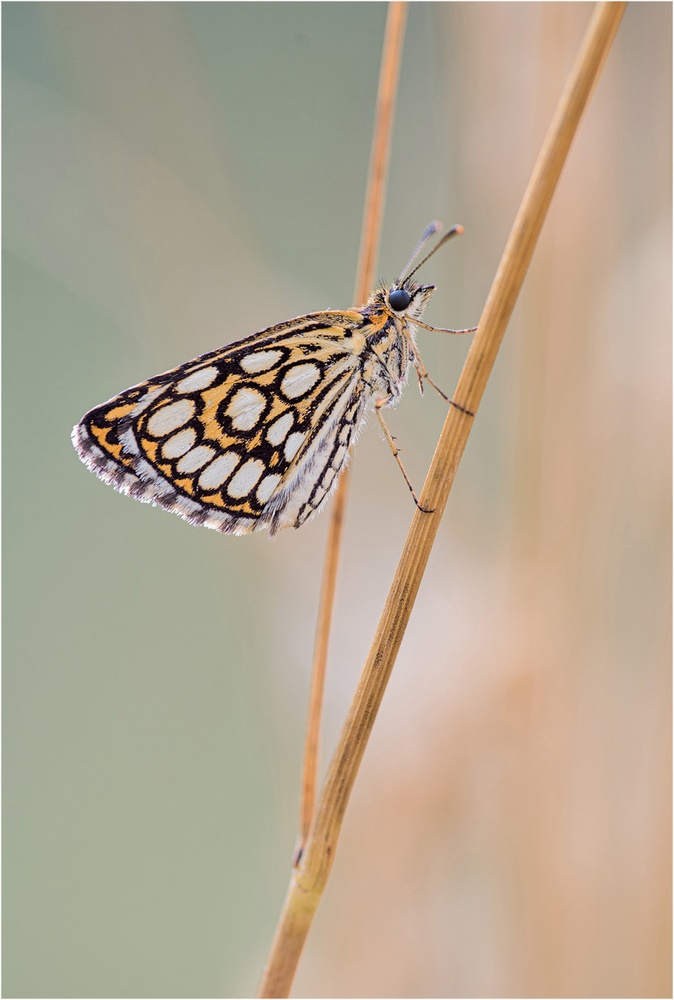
(178, 176)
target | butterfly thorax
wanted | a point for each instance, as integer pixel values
(390, 340)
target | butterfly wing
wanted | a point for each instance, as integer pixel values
(247, 437)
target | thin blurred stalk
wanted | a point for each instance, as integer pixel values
(369, 251)
(310, 877)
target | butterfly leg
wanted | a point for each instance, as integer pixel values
(396, 454)
(423, 374)
(442, 329)
(444, 396)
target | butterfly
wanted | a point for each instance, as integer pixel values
(254, 435)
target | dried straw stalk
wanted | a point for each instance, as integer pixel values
(310, 876)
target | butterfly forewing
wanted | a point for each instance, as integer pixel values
(252, 435)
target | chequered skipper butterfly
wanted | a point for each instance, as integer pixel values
(255, 434)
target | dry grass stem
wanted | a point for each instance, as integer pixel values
(310, 877)
(369, 251)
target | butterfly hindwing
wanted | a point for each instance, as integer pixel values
(252, 435)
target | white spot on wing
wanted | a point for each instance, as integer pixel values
(278, 430)
(218, 470)
(194, 459)
(293, 445)
(266, 488)
(259, 361)
(246, 478)
(170, 418)
(179, 443)
(246, 408)
(299, 380)
(128, 441)
(199, 379)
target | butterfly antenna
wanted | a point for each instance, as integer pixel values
(454, 231)
(431, 229)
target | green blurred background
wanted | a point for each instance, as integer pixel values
(177, 176)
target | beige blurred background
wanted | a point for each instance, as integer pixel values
(178, 176)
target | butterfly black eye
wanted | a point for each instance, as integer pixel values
(399, 299)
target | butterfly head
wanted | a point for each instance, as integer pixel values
(408, 299)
